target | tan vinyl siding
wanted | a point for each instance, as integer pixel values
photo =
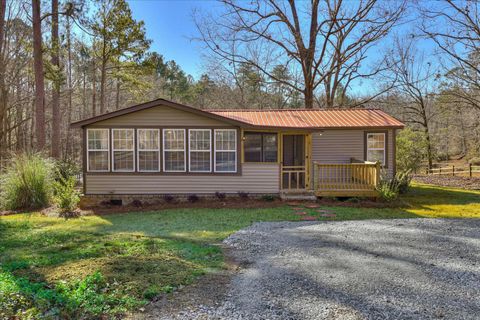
(338, 146)
(160, 116)
(255, 178)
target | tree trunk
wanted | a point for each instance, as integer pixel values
(3, 105)
(308, 95)
(94, 89)
(117, 97)
(103, 75)
(56, 115)
(39, 77)
(68, 147)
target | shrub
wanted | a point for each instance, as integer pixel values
(27, 183)
(243, 194)
(268, 197)
(65, 169)
(168, 198)
(136, 203)
(220, 195)
(411, 149)
(389, 189)
(475, 161)
(66, 195)
(193, 198)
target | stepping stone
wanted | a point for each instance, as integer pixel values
(312, 206)
(323, 211)
(300, 213)
(298, 208)
(308, 218)
(293, 203)
(328, 215)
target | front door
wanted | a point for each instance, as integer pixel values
(293, 162)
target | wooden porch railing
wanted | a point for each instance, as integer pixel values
(346, 180)
(293, 177)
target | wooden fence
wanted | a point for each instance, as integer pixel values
(454, 170)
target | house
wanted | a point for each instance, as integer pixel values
(161, 147)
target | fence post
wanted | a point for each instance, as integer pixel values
(440, 171)
(453, 170)
(377, 177)
(470, 169)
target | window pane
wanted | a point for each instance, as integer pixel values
(148, 160)
(199, 161)
(375, 155)
(123, 139)
(174, 161)
(225, 161)
(225, 140)
(174, 139)
(376, 141)
(98, 160)
(97, 139)
(148, 139)
(270, 148)
(253, 147)
(199, 140)
(123, 160)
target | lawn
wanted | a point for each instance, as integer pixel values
(110, 264)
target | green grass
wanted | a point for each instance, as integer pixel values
(109, 264)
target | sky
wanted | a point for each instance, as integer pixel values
(170, 25)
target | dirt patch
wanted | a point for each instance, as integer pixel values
(450, 181)
(207, 292)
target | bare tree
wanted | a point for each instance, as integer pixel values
(39, 76)
(414, 82)
(329, 48)
(455, 29)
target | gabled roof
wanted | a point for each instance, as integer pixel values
(280, 118)
(151, 104)
(313, 118)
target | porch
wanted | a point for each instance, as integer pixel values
(355, 179)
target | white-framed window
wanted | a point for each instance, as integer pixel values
(225, 153)
(376, 150)
(174, 159)
(98, 150)
(123, 149)
(199, 150)
(148, 150)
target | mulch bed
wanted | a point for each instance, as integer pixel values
(206, 204)
(449, 181)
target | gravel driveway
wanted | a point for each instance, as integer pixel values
(375, 269)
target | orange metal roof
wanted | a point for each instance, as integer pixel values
(312, 119)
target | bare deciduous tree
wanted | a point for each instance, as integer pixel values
(454, 26)
(327, 45)
(414, 81)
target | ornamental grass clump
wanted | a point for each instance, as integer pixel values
(26, 183)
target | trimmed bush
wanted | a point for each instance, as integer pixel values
(220, 195)
(27, 183)
(243, 195)
(268, 197)
(66, 195)
(168, 198)
(193, 198)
